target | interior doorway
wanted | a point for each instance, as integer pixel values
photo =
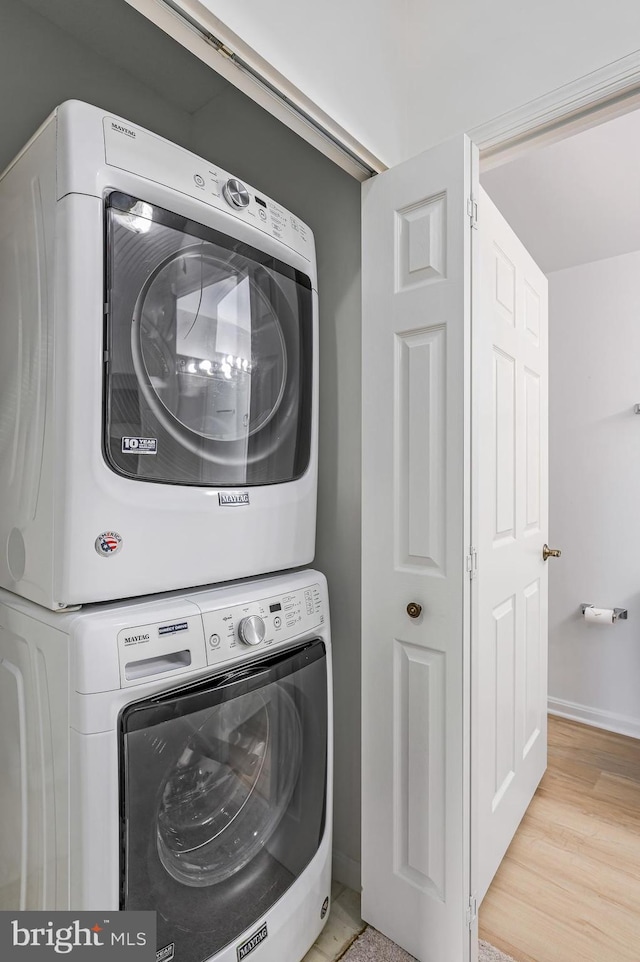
(574, 205)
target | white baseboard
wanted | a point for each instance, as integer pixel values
(611, 722)
(346, 870)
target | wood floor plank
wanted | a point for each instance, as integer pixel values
(570, 830)
(556, 787)
(568, 888)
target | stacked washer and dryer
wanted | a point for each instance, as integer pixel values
(164, 745)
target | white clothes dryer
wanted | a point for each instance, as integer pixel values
(158, 369)
(173, 754)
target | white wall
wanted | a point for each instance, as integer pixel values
(402, 76)
(594, 670)
(542, 194)
(114, 58)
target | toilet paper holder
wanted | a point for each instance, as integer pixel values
(619, 614)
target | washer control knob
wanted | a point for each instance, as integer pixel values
(252, 630)
(235, 193)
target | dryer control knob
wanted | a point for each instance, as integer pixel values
(252, 630)
(235, 193)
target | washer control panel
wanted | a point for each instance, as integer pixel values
(194, 634)
(261, 624)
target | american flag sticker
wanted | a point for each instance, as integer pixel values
(108, 543)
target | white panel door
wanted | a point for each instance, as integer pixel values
(416, 529)
(510, 525)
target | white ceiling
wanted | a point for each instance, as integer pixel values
(577, 200)
(402, 76)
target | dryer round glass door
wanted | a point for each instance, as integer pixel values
(210, 372)
(209, 354)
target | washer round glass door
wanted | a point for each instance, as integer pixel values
(229, 787)
(209, 360)
(223, 796)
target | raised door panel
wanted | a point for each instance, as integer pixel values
(420, 467)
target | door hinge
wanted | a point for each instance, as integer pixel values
(472, 910)
(225, 51)
(472, 212)
(471, 564)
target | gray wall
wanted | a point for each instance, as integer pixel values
(269, 156)
(107, 54)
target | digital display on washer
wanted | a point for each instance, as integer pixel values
(276, 607)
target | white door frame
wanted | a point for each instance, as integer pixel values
(590, 100)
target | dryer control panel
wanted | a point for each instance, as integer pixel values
(134, 149)
(260, 624)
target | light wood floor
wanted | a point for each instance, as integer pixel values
(568, 889)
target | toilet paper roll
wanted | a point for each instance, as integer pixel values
(602, 615)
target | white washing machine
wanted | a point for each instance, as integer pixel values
(173, 754)
(158, 369)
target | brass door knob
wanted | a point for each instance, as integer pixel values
(414, 610)
(548, 552)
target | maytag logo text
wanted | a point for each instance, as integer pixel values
(233, 497)
(136, 639)
(122, 130)
(252, 943)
